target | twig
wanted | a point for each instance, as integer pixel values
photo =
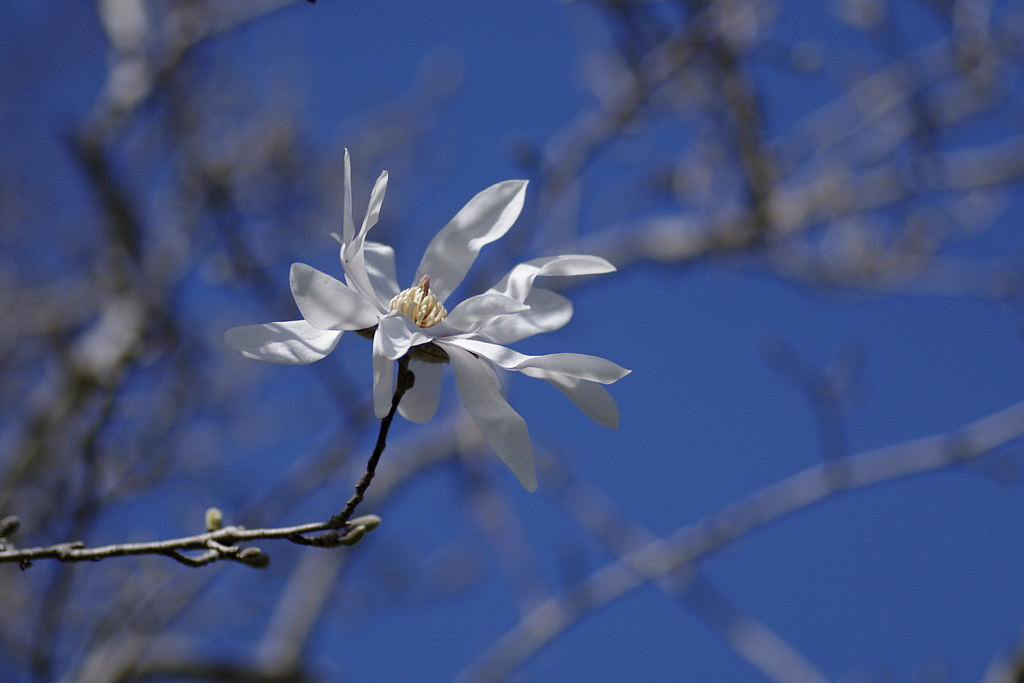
(402, 384)
(217, 545)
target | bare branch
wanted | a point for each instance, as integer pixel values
(216, 545)
(221, 544)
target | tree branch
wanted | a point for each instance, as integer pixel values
(664, 556)
(221, 544)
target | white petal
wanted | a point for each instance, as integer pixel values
(576, 365)
(519, 280)
(590, 397)
(376, 199)
(484, 219)
(289, 343)
(383, 378)
(548, 312)
(420, 403)
(397, 333)
(352, 258)
(348, 226)
(482, 307)
(503, 428)
(327, 303)
(380, 268)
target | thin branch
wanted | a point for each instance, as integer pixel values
(217, 545)
(221, 544)
(662, 557)
(402, 384)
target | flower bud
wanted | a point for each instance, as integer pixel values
(353, 536)
(371, 522)
(214, 519)
(254, 557)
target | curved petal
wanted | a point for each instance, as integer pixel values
(484, 219)
(519, 280)
(373, 209)
(548, 312)
(289, 343)
(397, 333)
(380, 268)
(576, 365)
(482, 307)
(420, 403)
(383, 378)
(327, 303)
(503, 428)
(590, 397)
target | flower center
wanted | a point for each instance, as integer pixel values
(420, 304)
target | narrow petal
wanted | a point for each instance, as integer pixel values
(383, 378)
(590, 397)
(289, 343)
(380, 268)
(352, 257)
(503, 428)
(484, 219)
(420, 403)
(548, 312)
(327, 303)
(482, 307)
(376, 199)
(520, 279)
(348, 226)
(576, 365)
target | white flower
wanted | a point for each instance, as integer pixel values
(471, 336)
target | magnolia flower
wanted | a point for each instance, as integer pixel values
(415, 321)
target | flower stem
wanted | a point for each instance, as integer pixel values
(404, 383)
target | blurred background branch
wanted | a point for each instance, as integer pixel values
(873, 150)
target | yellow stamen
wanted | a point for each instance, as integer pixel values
(420, 304)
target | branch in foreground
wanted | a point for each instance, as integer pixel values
(216, 545)
(222, 543)
(662, 557)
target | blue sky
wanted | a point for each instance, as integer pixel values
(882, 581)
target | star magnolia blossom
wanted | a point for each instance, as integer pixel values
(415, 321)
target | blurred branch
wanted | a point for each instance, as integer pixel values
(1007, 667)
(749, 638)
(491, 510)
(828, 391)
(664, 556)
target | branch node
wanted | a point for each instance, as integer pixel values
(221, 548)
(214, 519)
